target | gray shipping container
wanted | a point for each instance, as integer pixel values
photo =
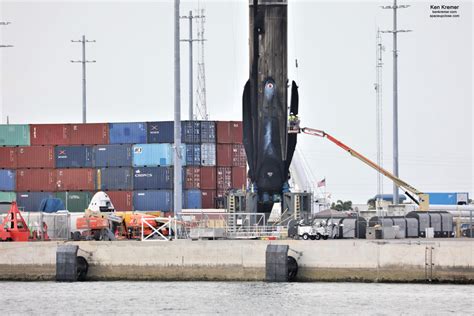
(113, 179)
(31, 201)
(208, 155)
(153, 178)
(191, 132)
(112, 155)
(208, 132)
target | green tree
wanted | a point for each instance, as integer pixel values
(342, 206)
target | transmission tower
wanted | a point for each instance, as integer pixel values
(201, 102)
(379, 118)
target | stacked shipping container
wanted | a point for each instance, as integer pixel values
(132, 162)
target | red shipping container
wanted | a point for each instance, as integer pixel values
(49, 134)
(8, 158)
(36, 157)
(239, 177)
(224, 178)
(36, 180)
(193, 178)
(122, 200)
(208, 198)
(82, 179)
(208, 178)
(89, 134)
(224, 155)
(239, 159)
(236, 132)
(223, 132)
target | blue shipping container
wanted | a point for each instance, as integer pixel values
(112, 155)
(31, 201)
(73, 156)
(191, 132)
(152, 155)
(156, 200)
(437, 198)
(114, 179)
(192, 199)
(7, 180)
(208, 132)
(193, 154)
(127, 133)
(153, 178)
(160, 132)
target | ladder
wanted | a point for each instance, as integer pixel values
(231, 210)
(297, 209)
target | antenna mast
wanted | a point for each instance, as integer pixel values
(379, 118)
(201, 102)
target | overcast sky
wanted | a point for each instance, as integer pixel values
(334, 42)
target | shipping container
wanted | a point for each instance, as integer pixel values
(208, 154)
(50, 134)
(112, 155)
(223, 132)
(191, 132)
(122, 200)
(7, 197)
(73, 156)
(193, 154)
(239, 159)
(75, 201)
(7, 180)
(31, 201)
(127, 133)
(208, 198)
(208, 178)
(224, 155)
(114, 179)
(192, 199)
(160, 132)
(239, 177)
(449, 198)
(192, 178)
(153, 200)
(8, 158)
(153, 178)
(36, 157)
(89, 134)
(208, 132)
(220, 199)
(36, 180)
(82, 179)
(236, 132)
(224, 178)
(150, 155)
(14, 135)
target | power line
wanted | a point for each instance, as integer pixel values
(84, 61)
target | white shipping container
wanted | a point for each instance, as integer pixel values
(208, 154)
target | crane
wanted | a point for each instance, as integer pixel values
(423, 198)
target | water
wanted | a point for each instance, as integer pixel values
(249, 298)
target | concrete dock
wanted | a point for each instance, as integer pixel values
(415, 260)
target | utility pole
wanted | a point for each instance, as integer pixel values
(177, 198)
(4, 46)
(379, 118)
(395, 31)
(190, 40)
(84, 62)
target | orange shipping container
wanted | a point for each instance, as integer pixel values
(36, 180)
(82, 179)
(8, 158)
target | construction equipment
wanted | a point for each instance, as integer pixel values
(99, 220)
(423, 198)
(14, 227)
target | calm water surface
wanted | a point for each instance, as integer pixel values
(253, 298)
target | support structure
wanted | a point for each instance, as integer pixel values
(379, 119)
(395, 31)
(201, 101)
(4, 46)
(190, 40)
(84, 61)
(177, 200)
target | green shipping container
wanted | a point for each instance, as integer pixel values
(7, 196)
(14, 135)
(75, 201)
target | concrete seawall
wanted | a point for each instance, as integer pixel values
(332, 260)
